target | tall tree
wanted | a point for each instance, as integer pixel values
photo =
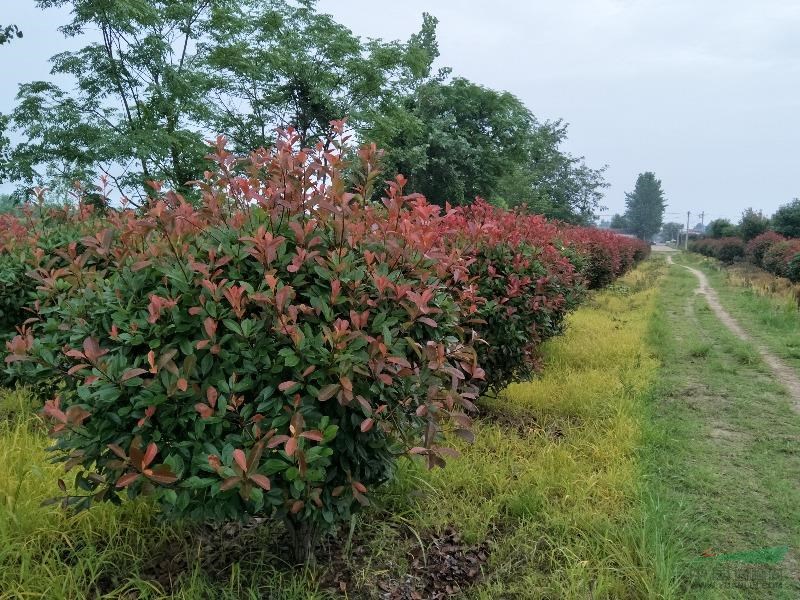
(283, 63)
(165, 75)
(453, 141)
(719, 228)
(138, 104)
(552, 182)
(619, 222)
(457, 140)
(752, 224)
(645, 206)
(786, 219)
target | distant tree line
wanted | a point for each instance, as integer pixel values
(159, 78)
(753, 223)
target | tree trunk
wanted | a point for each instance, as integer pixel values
(303, 537)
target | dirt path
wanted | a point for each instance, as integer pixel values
(785, 373)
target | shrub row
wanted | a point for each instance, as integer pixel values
(726, 249)
(770, 251)
(275, 348)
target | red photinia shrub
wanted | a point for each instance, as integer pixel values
(271, 351)
(36, 235)
(779, 256)
(274, 349)
(602, 255)
(526, 285)
(758, 246)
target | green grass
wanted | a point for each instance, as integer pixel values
(553, 486)
(763, 304)
(721, 452)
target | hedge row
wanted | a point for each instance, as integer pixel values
(727, 249)
(770, 251)
(274, 349)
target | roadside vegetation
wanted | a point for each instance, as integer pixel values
(723, 454)
(546, 503)
(767, 306)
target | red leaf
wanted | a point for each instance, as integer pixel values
(183, 385)
(359, 487)
(210, 326)
(366, 425)
(127, 479)
(149, 454)
(328, 392)
(77, 368)
(211, 396)
(297, 506)
(241, 459)
(214, 462)
(277, 441)
(131, 373)
(77, 415)
(291, 446)
(163, 475)
(261, 481)
(315, 435)
(204, 410)
(118, 451)
(287, 385)
(92, 350)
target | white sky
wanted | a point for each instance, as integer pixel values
(705, 93)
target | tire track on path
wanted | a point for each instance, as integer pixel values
(784, 372)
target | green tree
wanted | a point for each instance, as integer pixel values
(458, 140)
(8, 33)
(619, 222)
(138, 104)
(552, 182)
(453, 141)
(7, 203)
(752, 224)
(284, 63)
(645, 206)
(165, 75)
(720, 228)
(670, 231)
(786, 219)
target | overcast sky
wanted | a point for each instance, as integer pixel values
(705, 93)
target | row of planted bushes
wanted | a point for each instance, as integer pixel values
(770, 251)
(275, 347)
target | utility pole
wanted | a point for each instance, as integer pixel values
(686, 241)
(703, 220)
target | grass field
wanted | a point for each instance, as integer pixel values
(764, 304)
(723, 452)
(550, 502)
